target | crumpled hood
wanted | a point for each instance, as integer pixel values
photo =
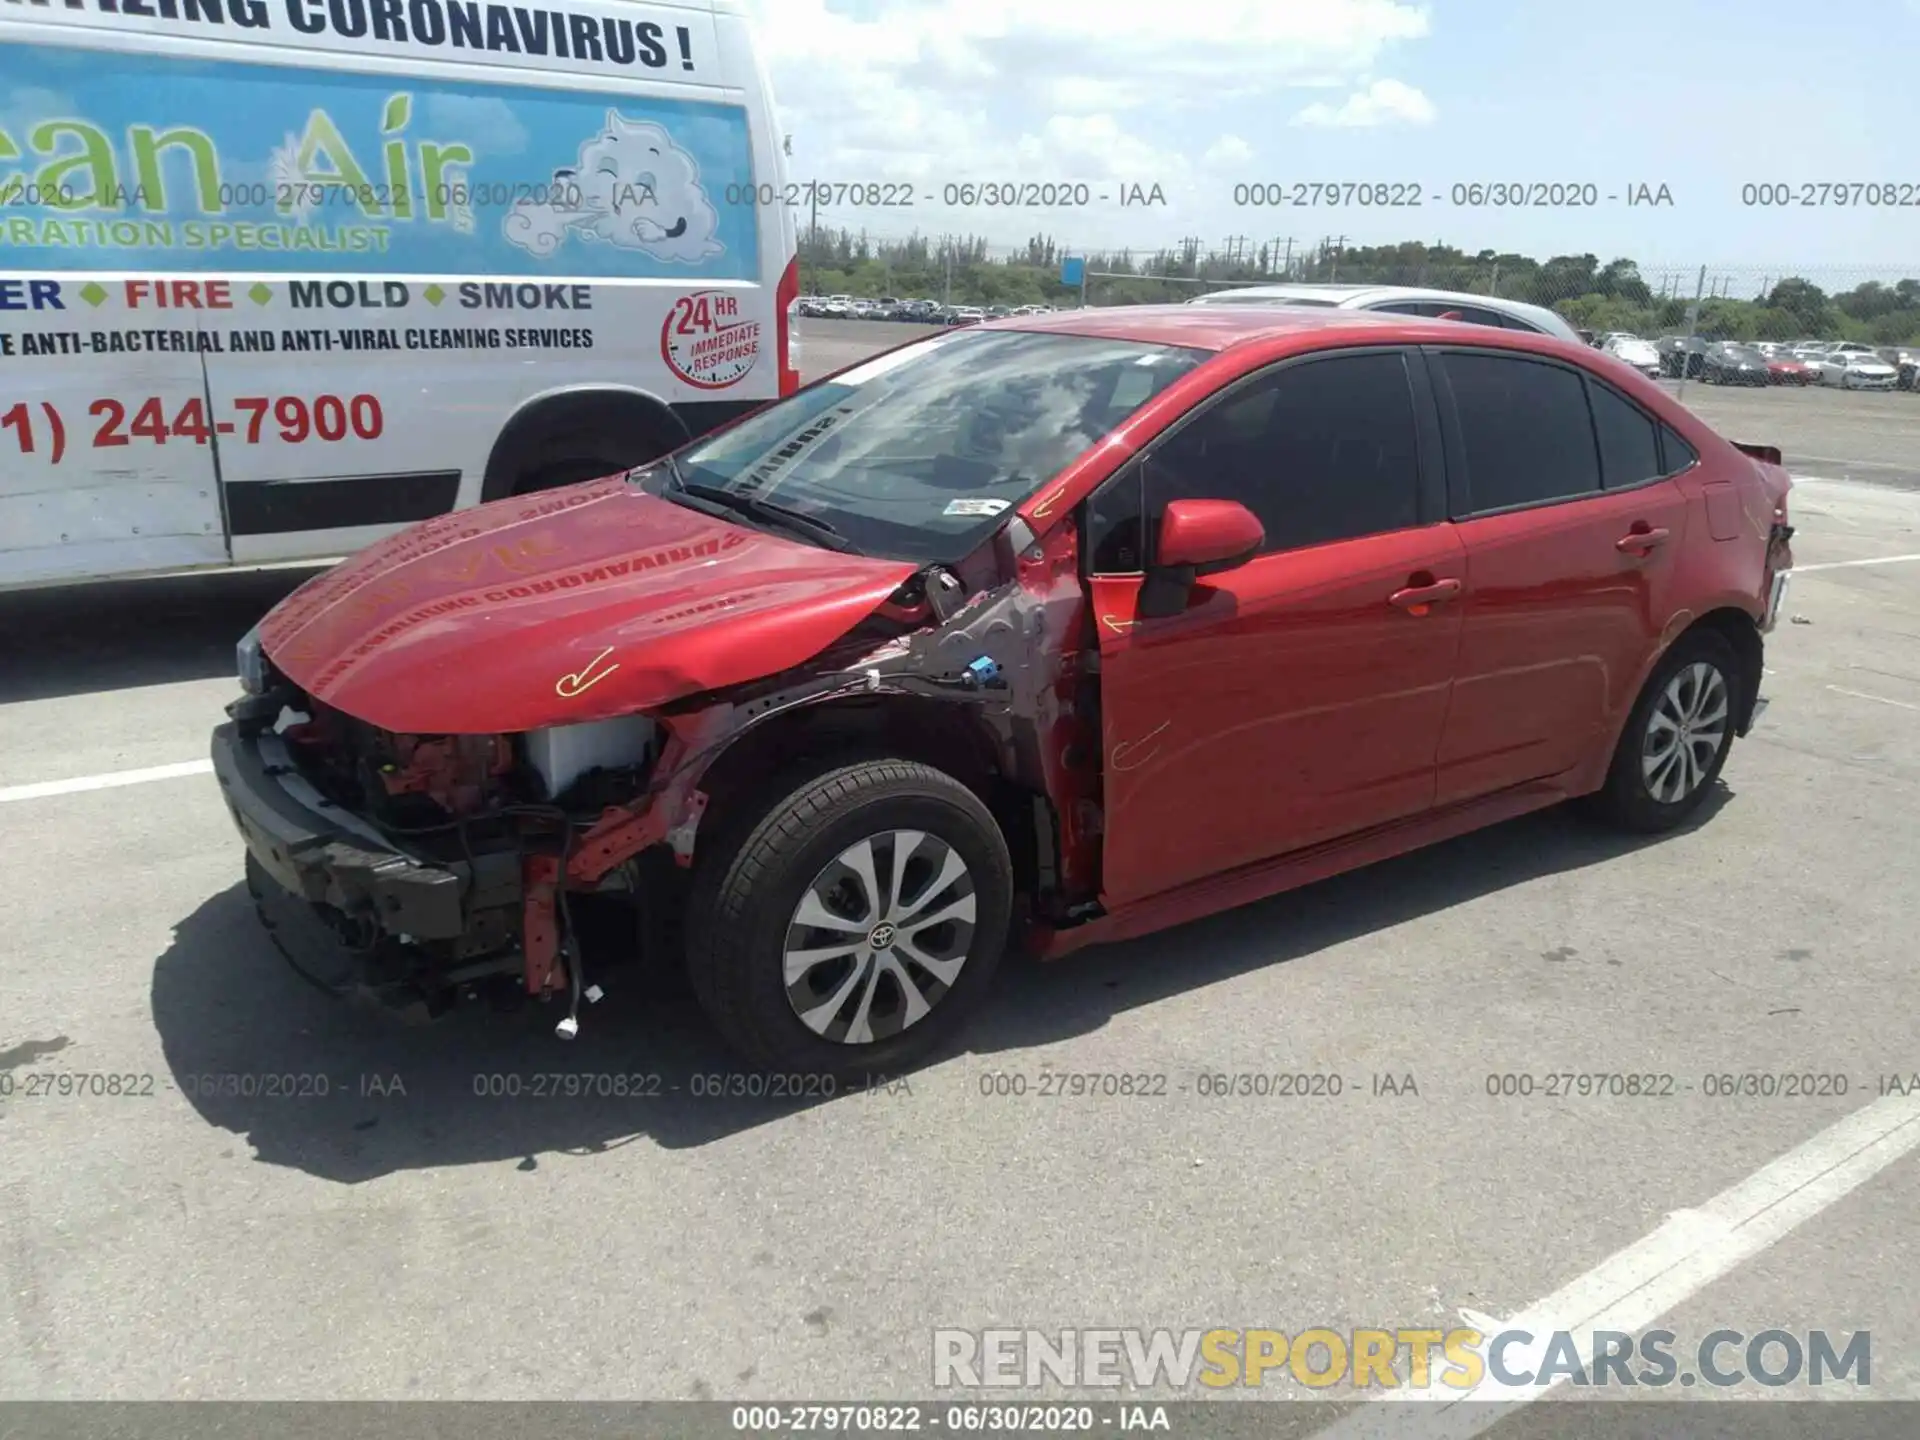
(568, 605)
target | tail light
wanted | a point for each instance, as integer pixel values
(785, 296)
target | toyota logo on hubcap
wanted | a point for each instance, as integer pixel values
(881, 938)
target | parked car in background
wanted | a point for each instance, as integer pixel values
(1849, 347)
(1488, 310)
(1784, 369)
(965, 315)
(1642, 355)
(1728, 362)
(1323, 588)
(1852, 370)
(1906, 364)
(1682, 354)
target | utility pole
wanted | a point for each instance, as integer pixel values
(1338, 244)
(1693, 321)
(946, 295)
(1286, 269)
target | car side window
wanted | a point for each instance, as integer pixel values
(1629, 439)
(1115, 525)
(1474, 315)
(1675, 454)
(1322, 450)
(1525, 427)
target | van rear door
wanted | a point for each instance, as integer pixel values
(106, 455)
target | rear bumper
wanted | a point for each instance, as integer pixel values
(322, 855)
(1776, 598)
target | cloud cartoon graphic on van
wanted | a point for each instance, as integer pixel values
(632, 188)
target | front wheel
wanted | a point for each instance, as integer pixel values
(854, 926)
(1676, 739)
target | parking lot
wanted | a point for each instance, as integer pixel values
(392, 1231)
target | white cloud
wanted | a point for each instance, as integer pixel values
(1385, 102)
(994, 90)
(1226, 153)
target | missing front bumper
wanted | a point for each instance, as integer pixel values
(318, 853)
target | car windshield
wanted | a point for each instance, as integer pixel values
(918, 454)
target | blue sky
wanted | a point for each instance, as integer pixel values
(1701, 96)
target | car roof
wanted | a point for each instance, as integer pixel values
(1358, 296)
(1220, 327)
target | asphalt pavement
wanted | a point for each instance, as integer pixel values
(279, 1198)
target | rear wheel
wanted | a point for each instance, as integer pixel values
(854, 926)
(1677, 738)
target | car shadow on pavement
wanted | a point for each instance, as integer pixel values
(85, 639)
(327, 1088)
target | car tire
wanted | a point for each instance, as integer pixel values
(811, 852)
(1695, 680)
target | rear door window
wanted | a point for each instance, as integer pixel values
(1525, 429)
(1629, 440)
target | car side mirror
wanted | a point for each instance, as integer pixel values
(1197, 537)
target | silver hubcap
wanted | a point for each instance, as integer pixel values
(879, 937)
(1684, 732)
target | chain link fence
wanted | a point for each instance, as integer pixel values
(1646, 297)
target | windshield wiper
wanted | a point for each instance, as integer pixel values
(766, 511)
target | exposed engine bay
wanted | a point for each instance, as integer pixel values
(466, 851)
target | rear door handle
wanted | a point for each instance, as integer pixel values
(1416, 598)
(1638, 542)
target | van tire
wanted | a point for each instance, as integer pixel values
(605, 459)
(747, 893)
(567, 439)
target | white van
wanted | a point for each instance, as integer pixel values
(278, 277)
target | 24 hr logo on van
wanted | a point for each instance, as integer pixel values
(706, 343)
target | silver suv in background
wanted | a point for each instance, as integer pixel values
(1405, 300)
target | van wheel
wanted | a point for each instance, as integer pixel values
(570, 472)
(855, 926)
(1677, 738)
(547, 473)
(576, 439)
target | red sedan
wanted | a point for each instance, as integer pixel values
(1102, 620)
(1785, 370)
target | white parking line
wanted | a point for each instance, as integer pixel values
(1863, 695)
(107, 781)
(1630, 1290)
(1846, 464)
(1849, 564)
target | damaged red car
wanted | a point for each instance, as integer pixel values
(1060, 629)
